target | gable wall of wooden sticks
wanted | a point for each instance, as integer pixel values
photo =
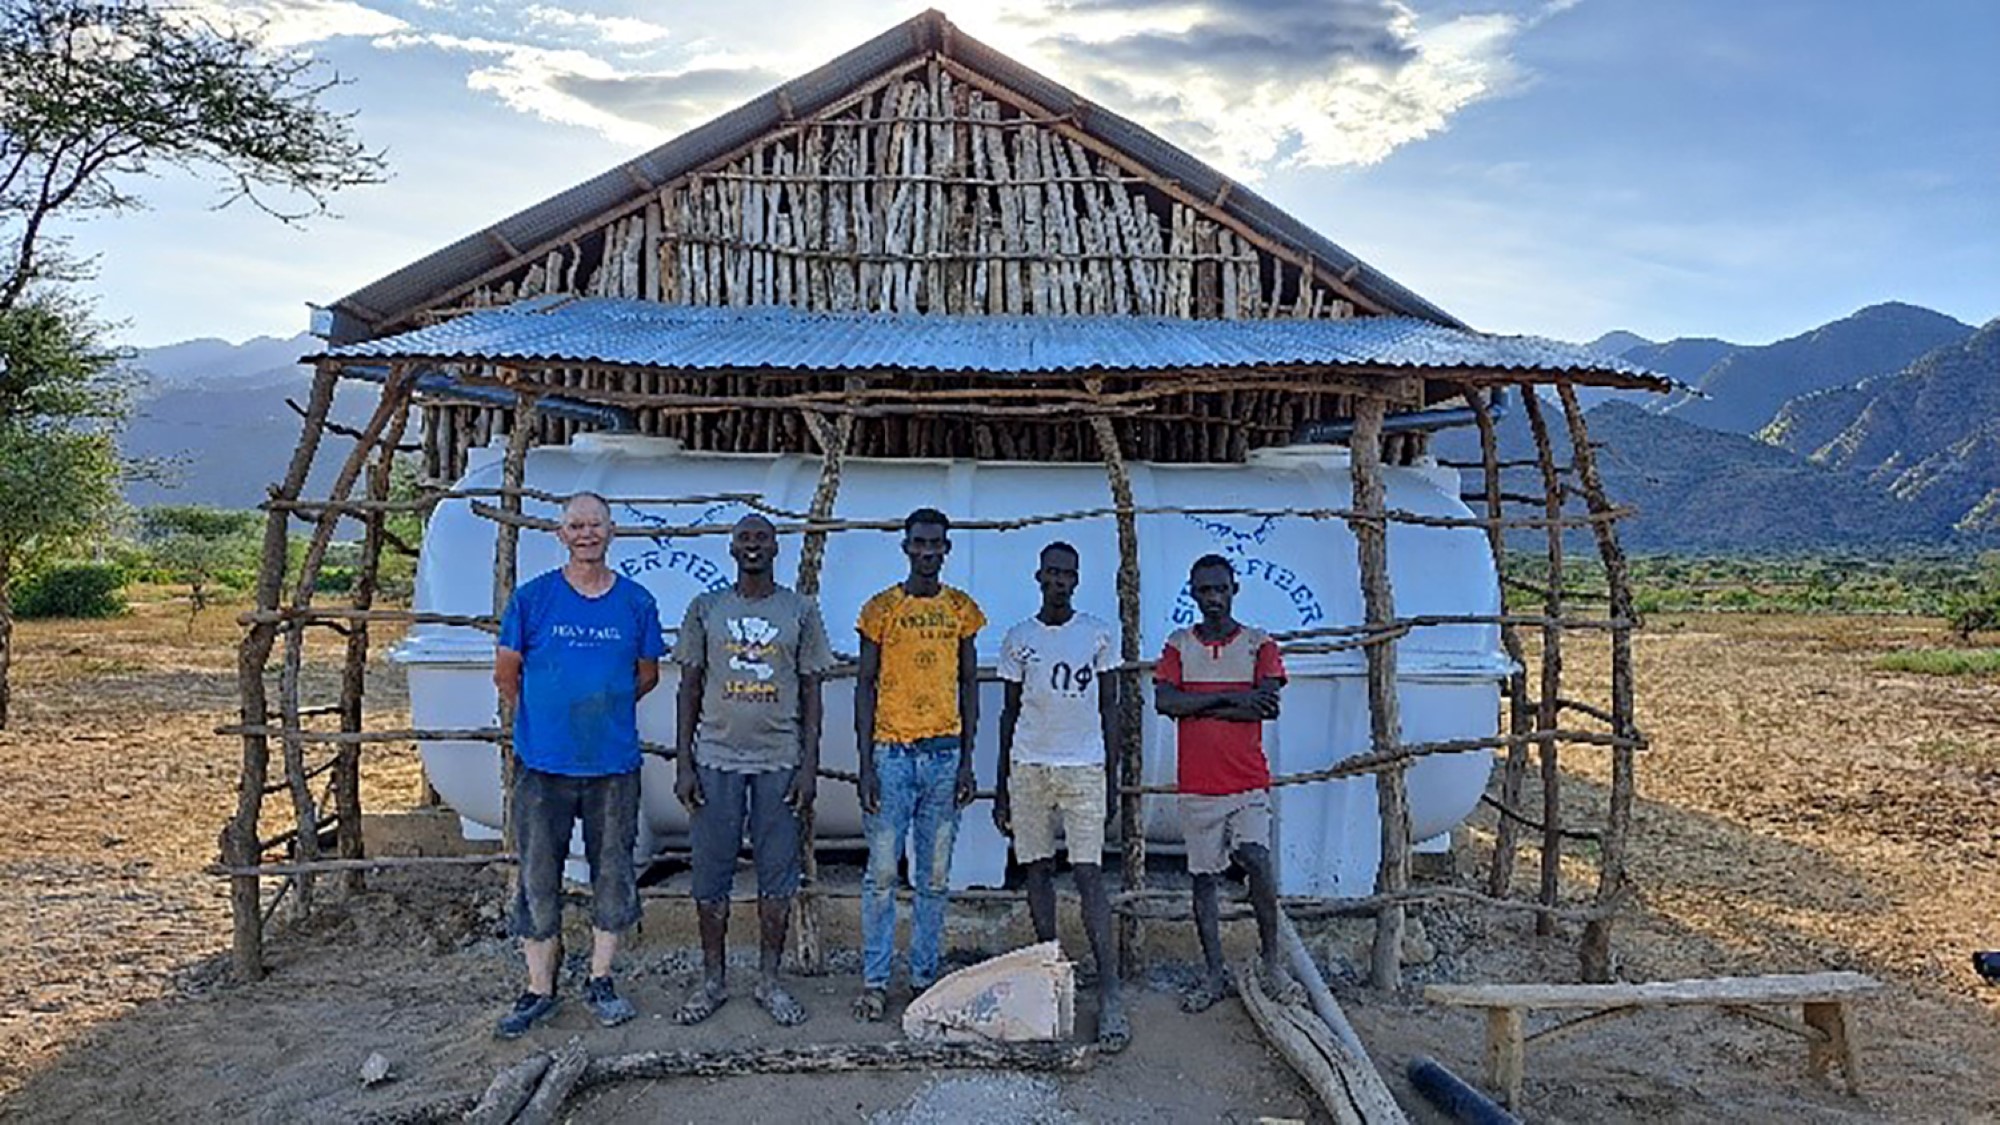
(929, 190)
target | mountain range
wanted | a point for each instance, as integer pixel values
(1880, 429)
(211, 416)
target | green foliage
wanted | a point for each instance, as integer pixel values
(88, 590)
(334, 579)
(1943, 661)
(56, 369)
(59, 410)
(1924, 585)
(202, 547)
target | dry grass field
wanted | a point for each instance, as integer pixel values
(1800, 809)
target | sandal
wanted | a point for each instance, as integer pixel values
(869, 1006)
(782, 1007)
(701, 1003)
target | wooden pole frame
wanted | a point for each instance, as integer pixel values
(1385, 723)
(1552, 665)
(1594, 955)
(833, 436)
(239, 838)
(1131, 697)
(506, 567)
(1521, 717)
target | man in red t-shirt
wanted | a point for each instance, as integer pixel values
(1220, 681)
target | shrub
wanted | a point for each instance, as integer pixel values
(334, 579)
(92, 590)
(1978, 613)
(1943, 661)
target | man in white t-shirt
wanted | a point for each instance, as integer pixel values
(1057, 738)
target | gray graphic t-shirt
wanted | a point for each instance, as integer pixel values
(751, 653)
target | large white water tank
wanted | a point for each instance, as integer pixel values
(1296, 573)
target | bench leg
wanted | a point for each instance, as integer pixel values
(1505, 1054)
(1830, 1019)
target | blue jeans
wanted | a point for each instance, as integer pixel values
(917, 781)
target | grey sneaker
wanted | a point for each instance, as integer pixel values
(530, 1009)
(604, 1002)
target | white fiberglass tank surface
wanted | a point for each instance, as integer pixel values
(1296, 573)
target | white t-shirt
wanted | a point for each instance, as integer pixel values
(1057, 667)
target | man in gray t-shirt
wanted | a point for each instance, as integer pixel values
(751, 657)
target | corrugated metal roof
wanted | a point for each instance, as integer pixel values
(626, 333)
(443, 270)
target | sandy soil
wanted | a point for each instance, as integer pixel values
(1799, 810)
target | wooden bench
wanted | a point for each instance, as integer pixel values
(1822, 996)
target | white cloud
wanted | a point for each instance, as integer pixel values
(1253, 84)
(623, 31)
(574, 87)
(283, 24)
(524, 77)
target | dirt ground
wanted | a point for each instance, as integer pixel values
(1798, 810)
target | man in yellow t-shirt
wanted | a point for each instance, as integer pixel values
(916, 706)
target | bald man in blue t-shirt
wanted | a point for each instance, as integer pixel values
(578, 647)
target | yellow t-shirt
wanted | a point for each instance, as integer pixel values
(917, 694)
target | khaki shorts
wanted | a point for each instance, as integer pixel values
(1040, 794)
(1216, 826)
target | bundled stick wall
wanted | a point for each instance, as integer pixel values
(929, 190)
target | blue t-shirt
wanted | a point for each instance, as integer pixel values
(579, 673)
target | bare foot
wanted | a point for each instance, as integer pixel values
(1114, 1031)
(868, 1006)
(704, 1001)
(1279, 985)
(782, 1007)
(1207, 994)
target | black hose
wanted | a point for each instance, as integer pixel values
(1455, 1096)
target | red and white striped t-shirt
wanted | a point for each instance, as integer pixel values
(1220, 757)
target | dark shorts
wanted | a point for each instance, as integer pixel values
(545, 807)
(729, 798)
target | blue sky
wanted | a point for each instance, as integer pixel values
(1739, 168)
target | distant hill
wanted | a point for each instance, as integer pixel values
(1929, 435)
(262, 360)
(1702, 490)
(215, 413)
(1617, 342)
(1745, 386)
(1686, 358)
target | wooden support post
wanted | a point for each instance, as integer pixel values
(1132, 697)
(394, 399)
(506, 566)
(1834, 1044)
(354, 672)
(1552, 659)
(1385, 724)
(239, 838)
(1595, 952)
(1506, 1054)
(1520, 714)
(832, 437)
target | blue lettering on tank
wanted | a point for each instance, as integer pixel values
(664, 555)
(1237, 543)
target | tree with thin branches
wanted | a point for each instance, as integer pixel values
(96, 96)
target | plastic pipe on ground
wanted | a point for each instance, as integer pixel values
(1455, 1096)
